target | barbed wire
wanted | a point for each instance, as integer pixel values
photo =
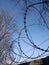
(17, 55)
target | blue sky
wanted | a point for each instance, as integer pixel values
(38, 33)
